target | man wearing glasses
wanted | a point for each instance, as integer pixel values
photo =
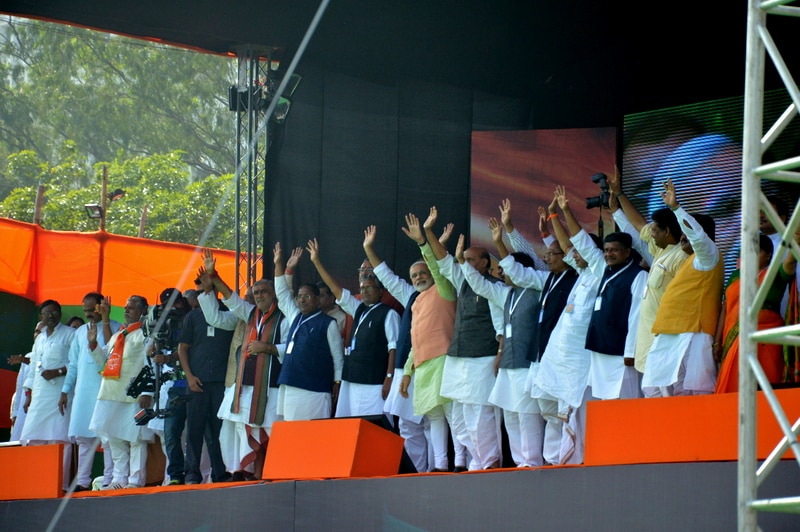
(249, 406)
(368, 369)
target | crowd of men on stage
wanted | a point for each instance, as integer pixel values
(457, 353)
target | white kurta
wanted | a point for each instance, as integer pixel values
(83, 379)
(44, 422)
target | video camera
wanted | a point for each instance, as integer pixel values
(601, 200)
(164, 321)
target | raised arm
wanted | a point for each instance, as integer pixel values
(327, 278)
(563, 203)
(210, 263)
(615, 188)
(369, 240)
(497, 238)
(438, 249)
(558, 228)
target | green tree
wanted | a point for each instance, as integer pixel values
(159, 186)
(113, 96)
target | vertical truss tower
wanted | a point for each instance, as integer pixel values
(754, 170)
(249, 98)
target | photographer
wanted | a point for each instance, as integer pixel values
(164, 326)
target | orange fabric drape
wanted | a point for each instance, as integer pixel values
(769, 356)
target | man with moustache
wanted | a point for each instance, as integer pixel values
(312, 354)
(560, 384)
(83, 378)
(114, 414)
(611, 336)
(45, 423)
(368, 369)
(251, 385)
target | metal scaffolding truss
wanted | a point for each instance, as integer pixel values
(248, 98)
(758, 137)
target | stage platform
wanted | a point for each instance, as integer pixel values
(651, 464)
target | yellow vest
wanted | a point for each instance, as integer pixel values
(692, 301)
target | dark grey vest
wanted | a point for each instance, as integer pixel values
(473, 334)
(521, 349)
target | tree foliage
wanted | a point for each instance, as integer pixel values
(73, 101)
(113, 96)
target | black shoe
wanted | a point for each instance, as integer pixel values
(459, 469)
(227, 477)
(176, 482)
(437, 470)
(82, 488)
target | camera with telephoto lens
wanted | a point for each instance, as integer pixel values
(601, 200)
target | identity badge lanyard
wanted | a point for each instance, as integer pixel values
(546, 293)
(290, 346)
(598, 301)
(360, 321)
(512, 306)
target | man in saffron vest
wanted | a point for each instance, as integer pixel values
(312, 354)
(368, 369)
(425, 333)
(115, 411)
(249, 405)
(685, 333)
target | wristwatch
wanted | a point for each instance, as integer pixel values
(389, 375)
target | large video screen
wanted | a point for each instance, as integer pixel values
(699, 147)
(525, 166)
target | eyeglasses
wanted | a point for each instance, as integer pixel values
(551, 253)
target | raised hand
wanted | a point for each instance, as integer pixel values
(206, 282)
(413, 229)
(369, 236)
(313, 250)
(460, 249)
(277, 254)
(496, 229)
(209, 262)
(614, 185)
(505, 214)
(431, 220)
(542, 219)
(446, 233)
(91, 332)
(670, 199)
(294, 258)
(561, 197)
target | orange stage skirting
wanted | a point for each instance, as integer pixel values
(631, 431)
(702, 428)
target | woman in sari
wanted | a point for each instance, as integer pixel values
(770, 356)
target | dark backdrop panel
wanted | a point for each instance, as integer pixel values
(293, 182)
(357, 153)
(359, 171)
(435, 125)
